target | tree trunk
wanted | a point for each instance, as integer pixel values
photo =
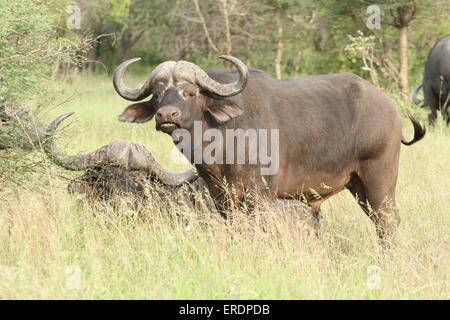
(125, 52)
(128, 41)
(226, 20)
(228, 44)
(279, 53)
(296, 62)
(205, 28)
(403, 74)
(402, 18)
(126, 45)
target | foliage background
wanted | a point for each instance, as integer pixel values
(314, 33)
(168, 250)
(296, 37)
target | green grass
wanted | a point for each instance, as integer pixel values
(45, 233)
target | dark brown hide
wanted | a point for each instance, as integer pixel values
(436, 81)
(335, 131)
(112, 183)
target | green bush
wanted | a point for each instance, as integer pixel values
(27, 50)
(29, 53)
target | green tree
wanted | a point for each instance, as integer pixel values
(28, 48)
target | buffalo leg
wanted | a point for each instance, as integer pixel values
(315, 210)
(380, 190)
(356, 188)
(374, 188)
(432, 116)
(358, 191)
(445, 110)
(433, 103)
(223, 206)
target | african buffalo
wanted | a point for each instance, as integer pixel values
(334, 132)
(117, 169)
(436, 81)
(124, 169)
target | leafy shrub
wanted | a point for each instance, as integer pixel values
(29, 52)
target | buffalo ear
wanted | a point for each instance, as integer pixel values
(225, 110)
(138, 112)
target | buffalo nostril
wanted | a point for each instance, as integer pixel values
(175, 114)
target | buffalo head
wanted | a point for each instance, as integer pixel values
(125, 155)
(181, 92)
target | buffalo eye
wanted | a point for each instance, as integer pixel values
(189, 94)
(155, 97)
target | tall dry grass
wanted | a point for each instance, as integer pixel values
(53, 245)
